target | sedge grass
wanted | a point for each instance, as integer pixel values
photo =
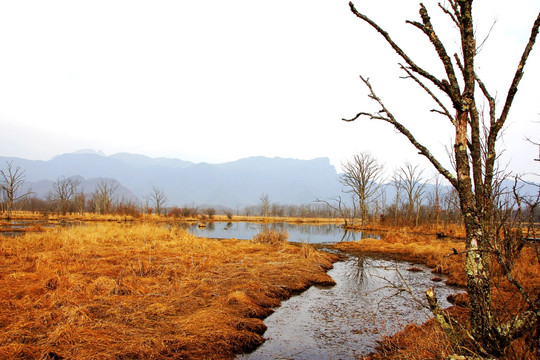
(118, 291)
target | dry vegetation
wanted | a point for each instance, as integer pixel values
(435, 253)
(125, 291)
(89, 216)
(429, 341)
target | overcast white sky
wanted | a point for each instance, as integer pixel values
(215, 81)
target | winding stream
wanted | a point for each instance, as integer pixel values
(345, 321)
(371, 299)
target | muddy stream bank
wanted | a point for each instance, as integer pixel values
(346, 320)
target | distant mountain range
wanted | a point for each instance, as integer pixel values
(233, 184)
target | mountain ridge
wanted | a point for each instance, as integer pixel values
(233, 184)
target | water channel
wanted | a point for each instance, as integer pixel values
(346, 320)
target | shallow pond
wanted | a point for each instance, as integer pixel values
(302, 233)
(346, 320)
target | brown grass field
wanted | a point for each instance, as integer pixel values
(143, 291)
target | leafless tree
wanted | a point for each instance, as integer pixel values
(435, 198)
(264, 206)
(103, 196)
(79, 202)
(64, 191)
(348, 213)
(411, 181)
(396, 183)
(11, 184)
(474, 153)
(157, 199)
(362, 176)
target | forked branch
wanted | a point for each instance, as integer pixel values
(389, 118)
(444, 111)
(443, 85)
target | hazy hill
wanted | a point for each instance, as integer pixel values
(237, 183)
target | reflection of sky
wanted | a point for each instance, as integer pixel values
(347, 320)
(314, 234)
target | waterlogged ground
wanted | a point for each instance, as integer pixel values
(301, 233)
(345, 321)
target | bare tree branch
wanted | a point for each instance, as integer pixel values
(403, 130)
(445, 111)
(427, 28)
(443, 85)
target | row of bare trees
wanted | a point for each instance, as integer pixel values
(68, 196)
(406, 197)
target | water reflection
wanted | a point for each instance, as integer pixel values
(314, 234)
(345, 321)
(13, 228)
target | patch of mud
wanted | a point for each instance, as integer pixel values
(369, 301)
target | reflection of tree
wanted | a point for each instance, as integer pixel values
(358, 272)
(357, 235)
(347, 235)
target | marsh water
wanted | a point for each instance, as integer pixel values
(300, 233)
(368, 302)
(373, 297)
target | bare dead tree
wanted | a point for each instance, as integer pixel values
(158, 199)
(410, 179)
(103, 196)
(64, 191)
(11, 184)
(435, 198)
(348, 213)
(396, 183)
(474, 153)
(264, 207)
(362, 176)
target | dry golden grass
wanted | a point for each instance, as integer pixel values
(451, 231)
(120, 291)
(87, 216)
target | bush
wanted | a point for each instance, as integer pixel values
(271, 237)
(175, 212)
(210, 212)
